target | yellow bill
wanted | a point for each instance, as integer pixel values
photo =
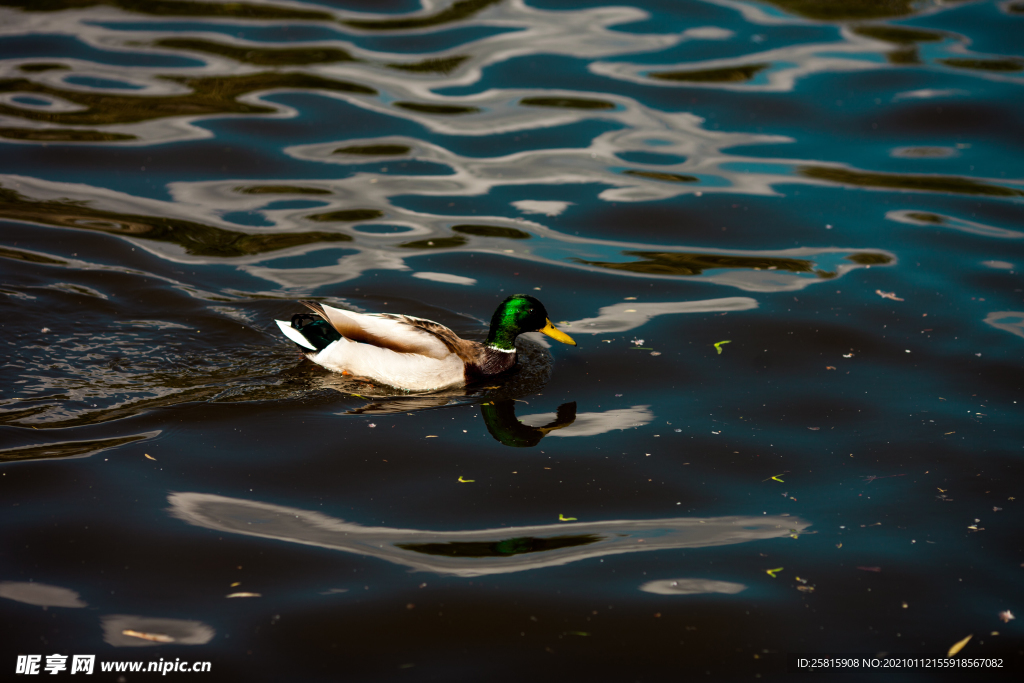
(556, 333)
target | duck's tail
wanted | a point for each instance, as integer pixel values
(309, 332)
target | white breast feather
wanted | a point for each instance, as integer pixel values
(411, 372)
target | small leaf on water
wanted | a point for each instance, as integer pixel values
(244, 595)
(562, 518)
(718, 345)
(773, 572)
(154, 637)
(466, 481)
(149, 456)
(959, 645)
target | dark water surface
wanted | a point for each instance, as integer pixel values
(787, 236)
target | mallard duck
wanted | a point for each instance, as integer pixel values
(412, 353)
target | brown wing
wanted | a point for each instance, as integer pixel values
(467, 351)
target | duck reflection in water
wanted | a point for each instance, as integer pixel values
(497, 399)
(499, 417)
(501, 421)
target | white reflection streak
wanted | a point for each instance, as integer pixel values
(41, 594)
(548, 208)
(1008, 321)
(961, 224)
(622, 317)
(177, 631)
(691, 587)
(805, 61)
(928, 94)
(525, 547)
(447, 278)
(592, 424)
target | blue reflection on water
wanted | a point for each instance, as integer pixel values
(44, 46)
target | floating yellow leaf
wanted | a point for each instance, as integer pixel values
(466, 481)
(562, 518)
(430, 436)
(773, 572)
(154, 637)
(776, 478)
(718, 345)
(958, 646)
(243, 595)
(149, 456)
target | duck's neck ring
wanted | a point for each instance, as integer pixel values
(494, 347)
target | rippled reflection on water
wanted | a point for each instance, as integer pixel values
(787, 235)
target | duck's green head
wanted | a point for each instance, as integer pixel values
(517, 314)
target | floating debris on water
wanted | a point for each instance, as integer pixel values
(152, 637)
(959, 645)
